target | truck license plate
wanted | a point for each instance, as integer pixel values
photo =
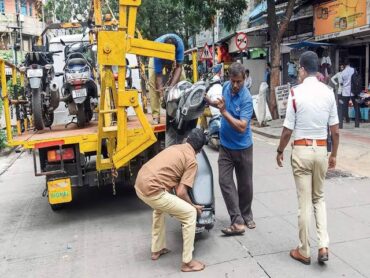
(79, 93)
(60, 191)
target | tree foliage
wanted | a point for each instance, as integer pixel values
(184, 17)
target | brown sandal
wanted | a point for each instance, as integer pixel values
(233, 231)
(156, 255)
(192, 268)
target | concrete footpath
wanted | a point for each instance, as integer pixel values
(354, 149)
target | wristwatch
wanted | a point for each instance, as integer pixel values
(279, 151)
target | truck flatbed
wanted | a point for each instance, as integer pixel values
(72, 134)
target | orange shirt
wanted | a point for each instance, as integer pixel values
(172, 166)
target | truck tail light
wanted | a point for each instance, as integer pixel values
(57, 155)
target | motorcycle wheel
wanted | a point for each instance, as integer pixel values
(48, 119)
(38, 122)
(81, 116)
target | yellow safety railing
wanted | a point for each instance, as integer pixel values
(7, 101)
(194, 53)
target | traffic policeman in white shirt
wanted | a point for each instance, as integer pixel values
(311, 108)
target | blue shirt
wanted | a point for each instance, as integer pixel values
(179, 52)
(240, 106)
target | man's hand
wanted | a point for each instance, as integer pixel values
(332, 162)
(221, 105)
(199, 209)
(279, 159)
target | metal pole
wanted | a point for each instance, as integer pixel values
(213, 43)
(367, 68)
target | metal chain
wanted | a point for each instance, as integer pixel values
(114, 175)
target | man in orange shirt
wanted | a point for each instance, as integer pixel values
(173, 169)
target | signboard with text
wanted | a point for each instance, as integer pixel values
(339, 18)
(282, 94)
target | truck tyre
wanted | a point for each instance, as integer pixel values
(81, 116)
(38, 122)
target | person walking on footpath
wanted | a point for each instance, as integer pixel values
(173, 169)
(311, 108)
(236, 150)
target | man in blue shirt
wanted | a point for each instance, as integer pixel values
(156, 77)
(236, 150)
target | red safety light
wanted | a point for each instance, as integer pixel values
(67, 154)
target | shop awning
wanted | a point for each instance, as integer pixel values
(307, 44)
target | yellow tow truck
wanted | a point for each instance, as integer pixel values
(113, 148)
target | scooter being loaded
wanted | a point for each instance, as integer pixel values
(185, 102)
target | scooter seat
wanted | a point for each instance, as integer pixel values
(76, 61)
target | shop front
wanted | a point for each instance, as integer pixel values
(346, 23)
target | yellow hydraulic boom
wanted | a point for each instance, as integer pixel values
(113, 45)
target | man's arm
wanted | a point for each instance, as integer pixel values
(333, 79)
(211, 102)
(239, 125)
(176, 74)
(284, 140)
(334, 130)
(182, 193)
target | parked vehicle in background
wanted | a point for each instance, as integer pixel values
(80, 90)
(41, 90)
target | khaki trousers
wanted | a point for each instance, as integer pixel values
(153, 94)
(155, 98)
(310, 164)
(178, 208)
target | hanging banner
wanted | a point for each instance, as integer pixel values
(339, 18)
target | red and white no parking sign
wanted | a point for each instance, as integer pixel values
(241, 41)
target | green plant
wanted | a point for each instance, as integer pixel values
(2, 139)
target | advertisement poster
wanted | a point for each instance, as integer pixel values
(336, 18)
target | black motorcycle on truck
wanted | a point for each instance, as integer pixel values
(41, 91)
(80, 91)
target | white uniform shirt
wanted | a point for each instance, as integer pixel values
(248, 82)
(346, 77)
(338, 81)
(214, 93)
(316, 108)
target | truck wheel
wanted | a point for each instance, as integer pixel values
(81, 116)
(38, 122)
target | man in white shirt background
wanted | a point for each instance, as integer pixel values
(311, 108)
(248, 80)
(214, 93)
(347, 94)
